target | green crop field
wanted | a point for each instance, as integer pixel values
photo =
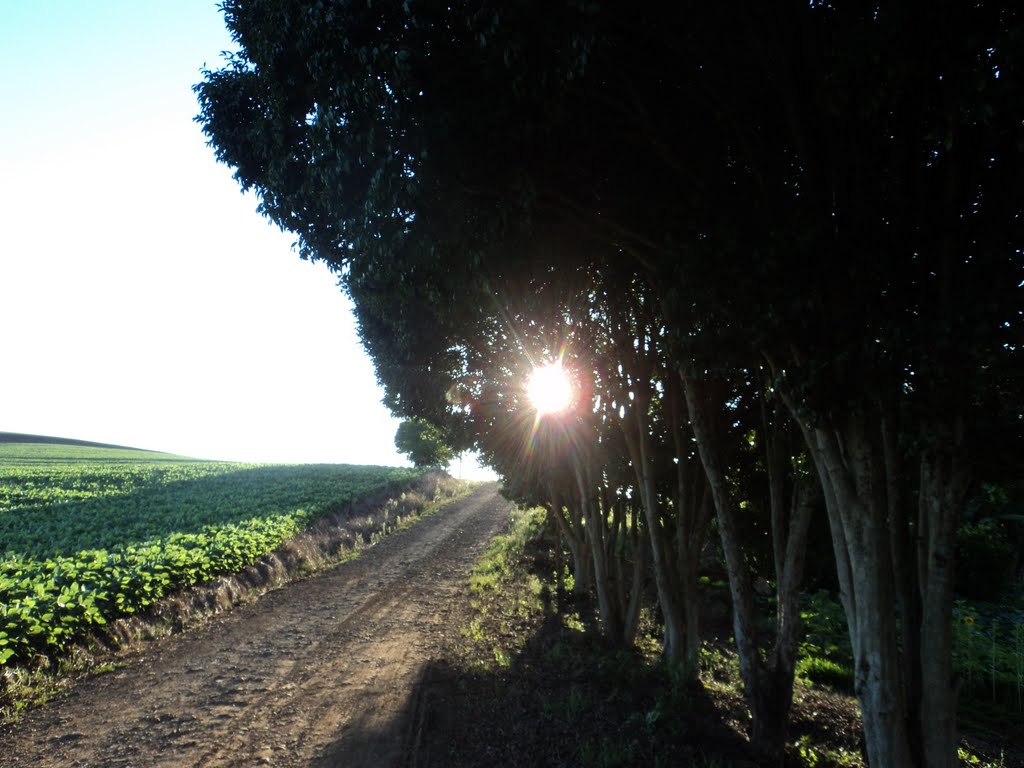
(88, 534)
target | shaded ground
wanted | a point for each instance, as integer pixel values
(527, 686)
(533, 688)
(322, 672)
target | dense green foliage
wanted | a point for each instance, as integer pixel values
(988, 652)
(825, 654)
(793, 226)
(988, 649)
(90, 534)
(423, 443)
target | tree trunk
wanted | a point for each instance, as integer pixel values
(638, 443)
(769, 706)
(778, 673)
(575, 536)
(691, 615)
(848, 466)
(694, 508)
(941, 496)
(764, 732)
(903, 555)
(641, 550)
(914, 723)
(790, 523)
(607, 605)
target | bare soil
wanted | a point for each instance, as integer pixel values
(323, 672)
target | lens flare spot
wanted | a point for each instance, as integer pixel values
(549, 389)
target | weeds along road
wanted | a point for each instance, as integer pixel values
(323, 672)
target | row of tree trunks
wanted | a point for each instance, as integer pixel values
(609, 553)
(790, 522)
(768, 679)
(632, 539)
(899, 616)
(569, 522)
(848, 469)
(666, 575)
(894, 573)
(680, 435)
(630, 331)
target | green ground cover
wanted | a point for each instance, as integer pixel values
(988, 651)
(90, 534)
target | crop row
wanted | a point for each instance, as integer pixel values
(61, 510)
(136, 533)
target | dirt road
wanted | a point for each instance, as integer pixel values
(321, 673)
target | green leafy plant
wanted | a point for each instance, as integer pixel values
(988, 653)
(818, 757)
(95, 534)
(825, 657)
(969, 758)
(821, 671)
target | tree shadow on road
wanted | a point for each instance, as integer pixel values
(566, 701)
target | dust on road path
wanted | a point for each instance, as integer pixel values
(322, 672)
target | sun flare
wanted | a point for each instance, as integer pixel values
(549, 389)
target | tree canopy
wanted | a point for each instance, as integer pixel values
(423, 443)
(709, 211)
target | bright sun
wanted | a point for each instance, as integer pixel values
(549, 389)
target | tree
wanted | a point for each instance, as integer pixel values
(423, 443)
(874, 203)
(830, 192)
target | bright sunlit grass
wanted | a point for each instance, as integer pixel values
(549, 389)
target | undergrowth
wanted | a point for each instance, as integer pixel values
(532, 684)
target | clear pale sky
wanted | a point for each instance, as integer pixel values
(143, 301)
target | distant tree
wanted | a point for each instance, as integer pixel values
(423, 443)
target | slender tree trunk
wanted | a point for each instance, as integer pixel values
(641, 552)
(691, 615)
(776, 459)
(607, 605)
(761, 701)
(694, 508)
(844, 569)
(575, 536)
(779, 672)
(903, 555)
(638, 443)
(941, 495)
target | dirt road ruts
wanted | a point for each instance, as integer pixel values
(322, 672)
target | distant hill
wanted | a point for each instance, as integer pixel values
(17, 437)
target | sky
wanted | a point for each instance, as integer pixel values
(143, 300)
